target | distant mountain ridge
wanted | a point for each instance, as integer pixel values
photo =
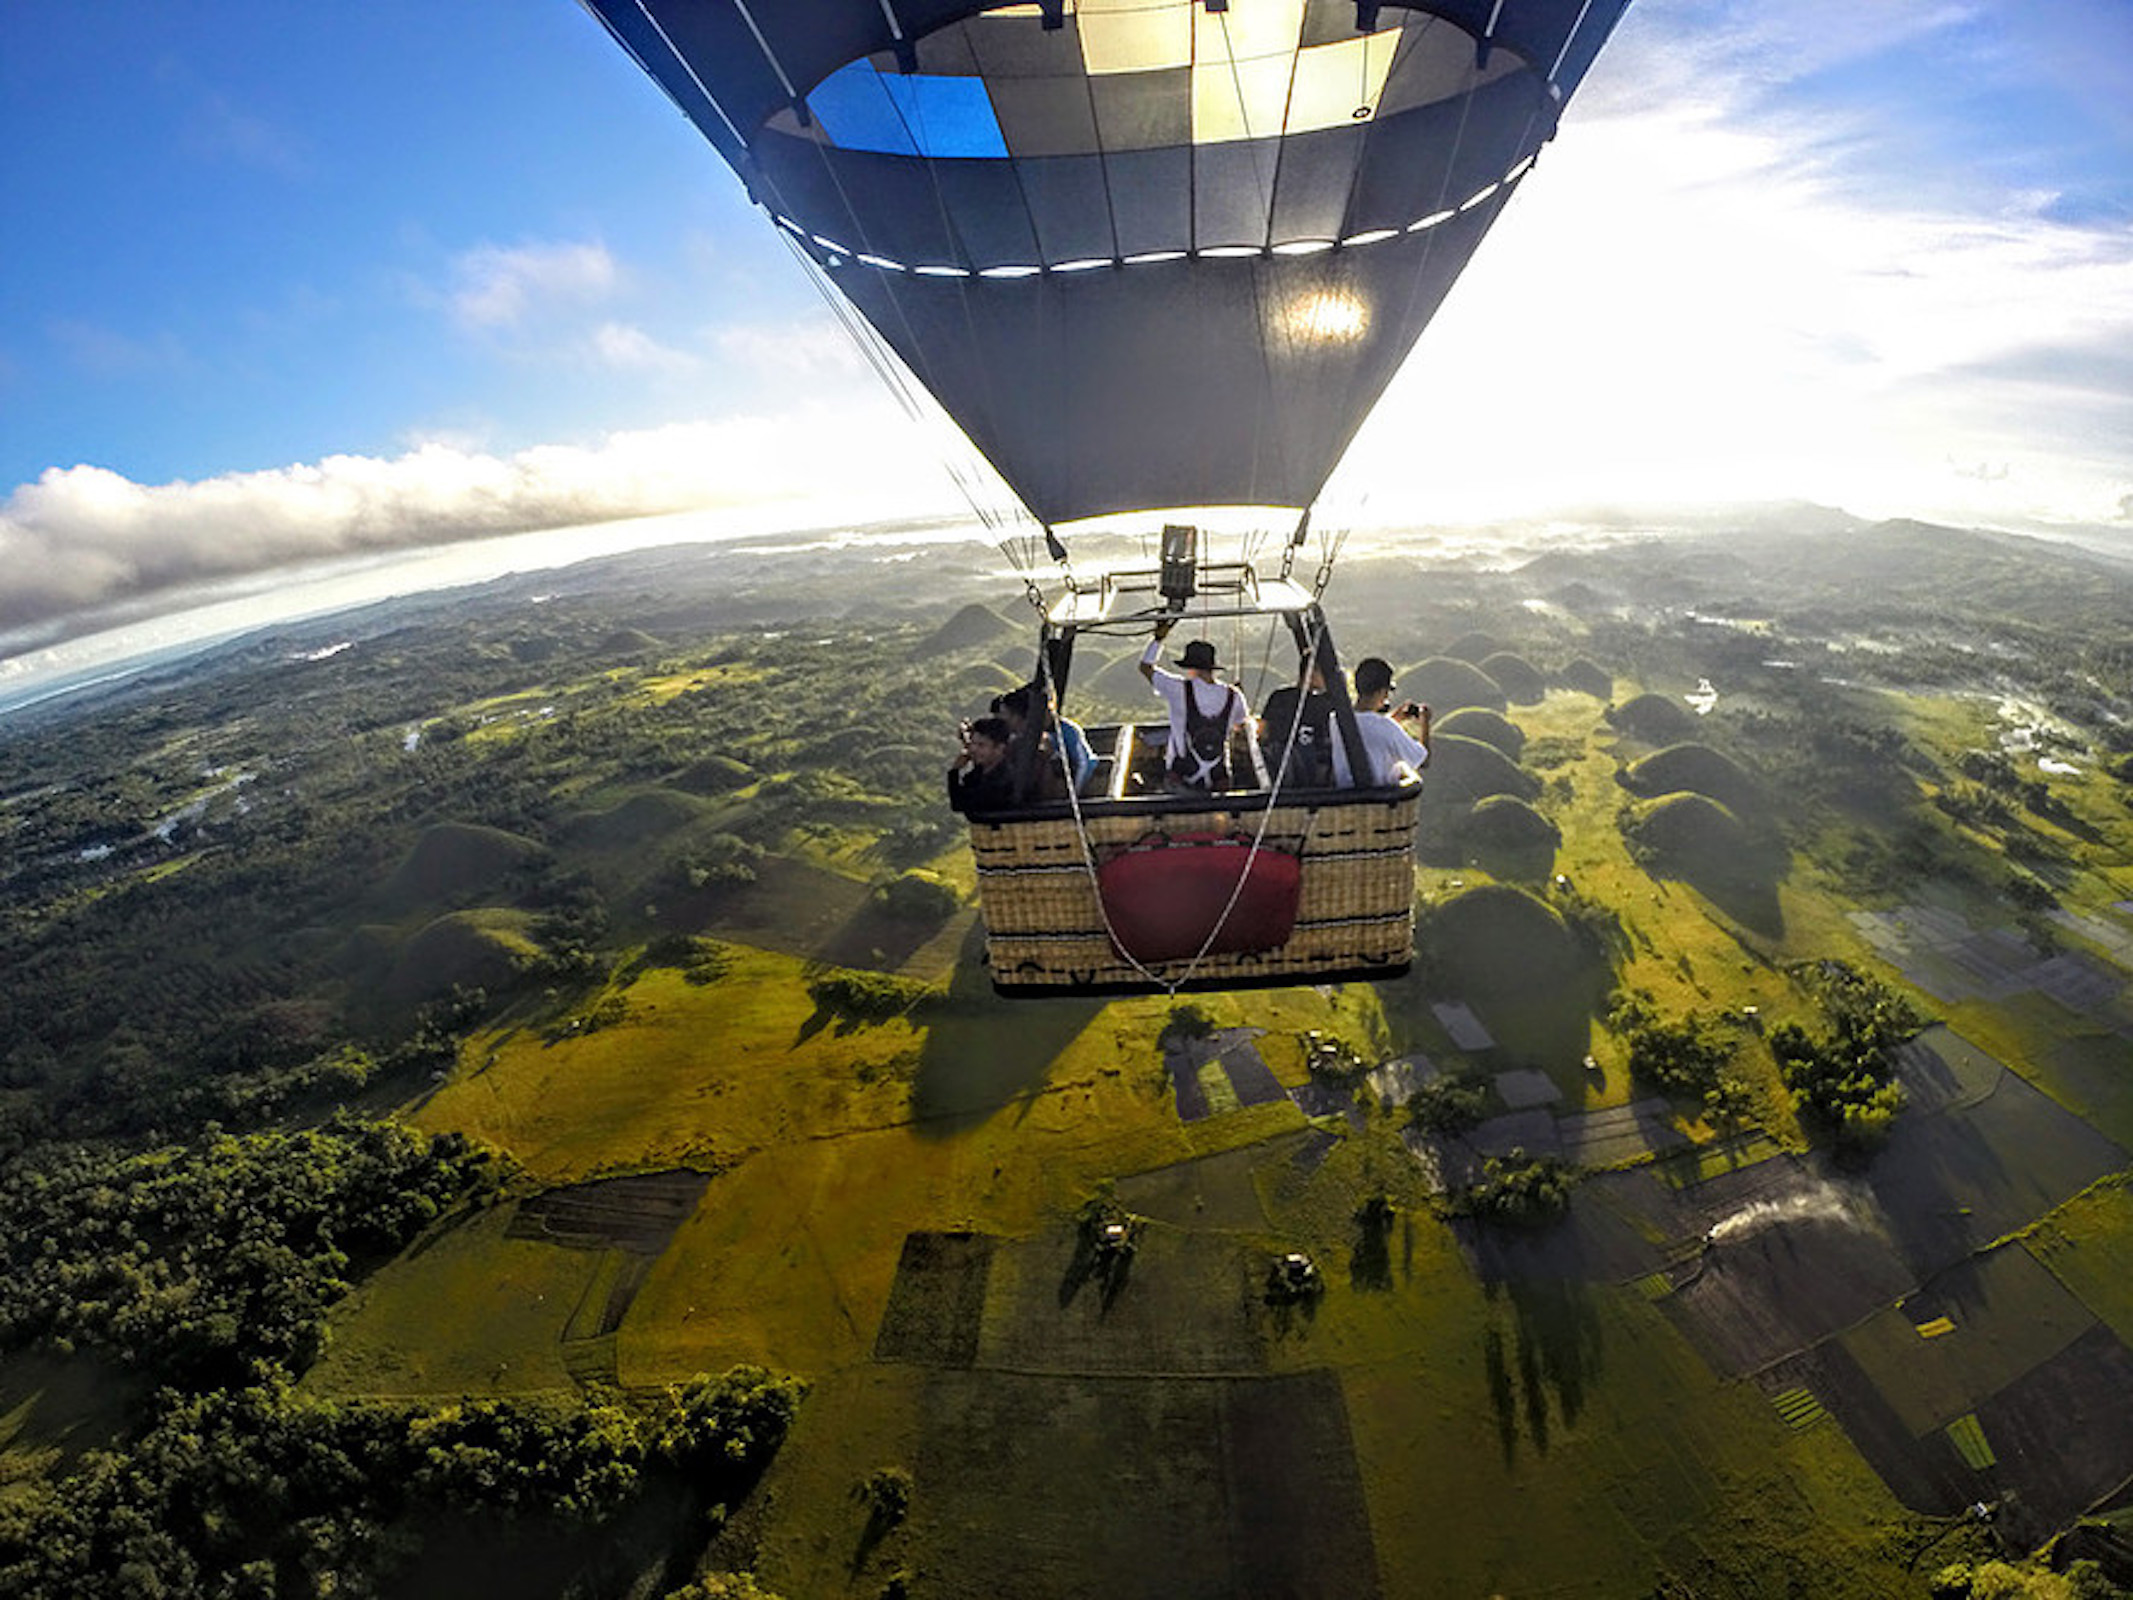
(1870, 567)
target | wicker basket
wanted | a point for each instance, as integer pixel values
(1045, 925)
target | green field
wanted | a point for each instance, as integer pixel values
(613, 891)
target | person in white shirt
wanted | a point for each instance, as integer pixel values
(1389, 746)
(1203, 713)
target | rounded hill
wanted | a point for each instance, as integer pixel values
(1694, 769)
(1445, 685)
(1491, 728)
(974, 627)
(1653, 718)
(1115, 684)
(1505, 822)
(455, 860)
(1588, 677)
(1473, 646)
(1518, 677)
(1691, 836)
(486, 949)
(1494, 938)
(713, 775)
(648, 814)
(1464, 770)
(982, 680)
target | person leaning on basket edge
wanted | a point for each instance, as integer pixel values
(1389, 746)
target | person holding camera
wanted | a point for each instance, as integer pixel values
(1394, 752)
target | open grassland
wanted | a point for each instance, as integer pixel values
(2088, 1245)
(473, 1312)
(731, 1169)
(1416, 1432)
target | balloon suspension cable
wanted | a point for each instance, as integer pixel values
(1004, 517)
(1171, 985)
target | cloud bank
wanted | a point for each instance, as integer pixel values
(1761, 265)
(82, 537)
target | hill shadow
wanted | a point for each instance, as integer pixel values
(982, 1053)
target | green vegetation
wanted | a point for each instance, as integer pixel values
(1843, 1079)
(1517, 1191)
(1685, 1057)
(1450, 1103)
(589, 884)
(264, 1491)
(214, 1261)
(868, 996)
(1653, 718)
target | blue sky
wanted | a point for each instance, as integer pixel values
(292, 280)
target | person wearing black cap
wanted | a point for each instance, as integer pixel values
(1203, 713)
(1389, 746)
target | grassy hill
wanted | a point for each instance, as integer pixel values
(454, 861)
(1489, 727)
(1696, 769)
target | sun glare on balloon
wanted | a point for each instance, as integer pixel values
(1328, 316)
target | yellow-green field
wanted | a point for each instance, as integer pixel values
(1561, 1439)
(890, 1215)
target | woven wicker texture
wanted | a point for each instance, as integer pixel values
(1045, 927)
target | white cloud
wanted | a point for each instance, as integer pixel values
(83, 536)
(1711, 289)
(627, 348)
(497, 287)
(815, 348)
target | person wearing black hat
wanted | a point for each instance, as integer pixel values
(1203, 713)
(1389, 746)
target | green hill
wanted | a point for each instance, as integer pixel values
(1491, 728)
(649, 814)
(1446, 685)
(974, 627)
(713, 775)
(1588, 677)
(1653, 718)
(980, 681)
(487, 948)
(1115, 687)
(1473, 647)
(1465, 770)
(1692, 836)
(1695, 769)
(453, 861)
(1503, 821)
(1519, 678)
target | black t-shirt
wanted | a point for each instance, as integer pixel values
(1311, 761)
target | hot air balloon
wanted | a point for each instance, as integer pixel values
(1146, 254)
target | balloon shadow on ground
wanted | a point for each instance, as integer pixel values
(982, 1053)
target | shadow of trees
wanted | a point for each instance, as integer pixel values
(1370, 1263)
(1540, 1369)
